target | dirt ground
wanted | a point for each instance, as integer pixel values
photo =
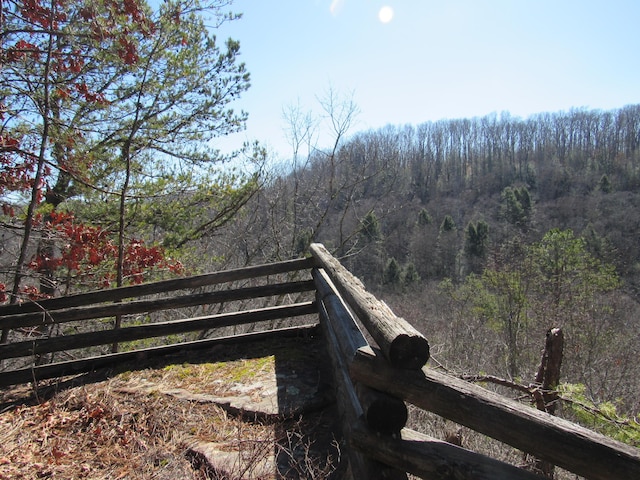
(252, 411)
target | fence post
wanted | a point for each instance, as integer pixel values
(402, 345)
(383, 413)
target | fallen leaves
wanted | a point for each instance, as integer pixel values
(90, 432)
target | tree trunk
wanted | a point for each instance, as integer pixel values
(547, 380)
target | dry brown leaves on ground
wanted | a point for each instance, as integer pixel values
(132, 427)
(95, 432)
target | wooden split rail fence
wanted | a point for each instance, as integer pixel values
(373, 379)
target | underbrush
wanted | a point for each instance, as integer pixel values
(128, 427)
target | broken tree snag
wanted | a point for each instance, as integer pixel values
(545, 394)
(548, 376)
(401, 344)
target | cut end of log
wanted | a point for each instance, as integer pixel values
(384, 413)
(387, 415)
(410, 352)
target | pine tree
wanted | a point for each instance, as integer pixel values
(370, 227)
(448, 224)
(392, 273)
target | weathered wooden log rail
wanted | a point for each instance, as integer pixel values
(373, 382)
(167, 295)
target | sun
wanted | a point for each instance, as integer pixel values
(385, 15)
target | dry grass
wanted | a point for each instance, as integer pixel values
(128, 427)
(98, 432)
(93, 432)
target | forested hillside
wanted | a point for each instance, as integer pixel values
(484, 233)
(402, 190)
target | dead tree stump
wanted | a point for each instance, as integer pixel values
(545, 394)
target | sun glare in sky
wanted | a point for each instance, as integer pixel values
(336, 6)
(385, 15)
(524, 60)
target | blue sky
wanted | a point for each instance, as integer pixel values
(435, 59)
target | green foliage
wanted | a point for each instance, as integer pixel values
(410, 275)
(122, 105)
(605, 184)
(523, 196)
(555, 283)
(447, 249)
(530, 177)
(370, 227)
(477, 239)
(424, 218)
(569, 277)
(392, 273)
(602, 417)
(448, 224)
(476, 245)
(498, 298)
(516, 205)
(597, 245)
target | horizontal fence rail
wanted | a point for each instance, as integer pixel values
(34, 318)
(160, 287)
(373, 383)
(85, 365)
(39, 346)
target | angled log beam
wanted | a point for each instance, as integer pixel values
(384, 413)
(400, 343)
(558, 441)
(434, 459)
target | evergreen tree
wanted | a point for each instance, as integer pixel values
(370, 227)
(477, 239)
(476, 244)
(115, 104)
(410, 275)
(605, 184)
(447, 248)
(424, 218)
(570, 278)
(554, 283)
(448, 224)
(523, 196)
(392, 273)
(516, 206)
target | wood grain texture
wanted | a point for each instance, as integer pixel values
(83, 340)
(85, 365)
(143, 306)
(565, 444)
(153, 288)
(434, 459)
(400, 343)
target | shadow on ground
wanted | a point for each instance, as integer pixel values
(283, 384)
